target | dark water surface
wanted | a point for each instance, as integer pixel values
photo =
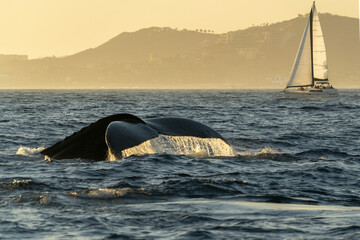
(296, 174)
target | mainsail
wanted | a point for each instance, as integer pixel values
(310, 63)
(319, 51)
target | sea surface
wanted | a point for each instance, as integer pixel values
(295, 173)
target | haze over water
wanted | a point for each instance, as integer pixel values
(294, 174)
(260, 56)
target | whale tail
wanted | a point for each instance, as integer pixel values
(120, 132)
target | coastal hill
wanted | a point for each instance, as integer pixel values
(256, 57)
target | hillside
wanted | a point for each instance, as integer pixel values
(257, 57)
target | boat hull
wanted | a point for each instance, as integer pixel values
(311, 93)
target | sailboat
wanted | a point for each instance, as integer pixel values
(309, 76)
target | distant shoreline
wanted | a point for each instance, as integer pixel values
(152, 89)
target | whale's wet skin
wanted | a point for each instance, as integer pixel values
(280, 168)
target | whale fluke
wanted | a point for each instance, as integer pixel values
(119, 132)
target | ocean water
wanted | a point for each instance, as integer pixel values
(295, 173)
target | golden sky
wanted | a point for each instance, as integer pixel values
(42, 28)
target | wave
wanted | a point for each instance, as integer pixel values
(201, 187)
(311, 108)
(323, 153)
(108, 193)
(346, 232)
(266, 153)
(26, 151)
(277, 198)
(271, 154)
(15, 184)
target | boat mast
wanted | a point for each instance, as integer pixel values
(311, 43)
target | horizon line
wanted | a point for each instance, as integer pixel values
(160, 89)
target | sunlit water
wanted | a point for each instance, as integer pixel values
(293, 174)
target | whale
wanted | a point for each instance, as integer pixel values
(116, 133)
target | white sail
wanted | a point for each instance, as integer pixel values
(301, 74)
(319, 52)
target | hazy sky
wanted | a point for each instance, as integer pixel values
(41, 28)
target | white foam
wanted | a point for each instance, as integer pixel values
(108, 193)
(179, 145)
(26, 151)
(265, 151)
